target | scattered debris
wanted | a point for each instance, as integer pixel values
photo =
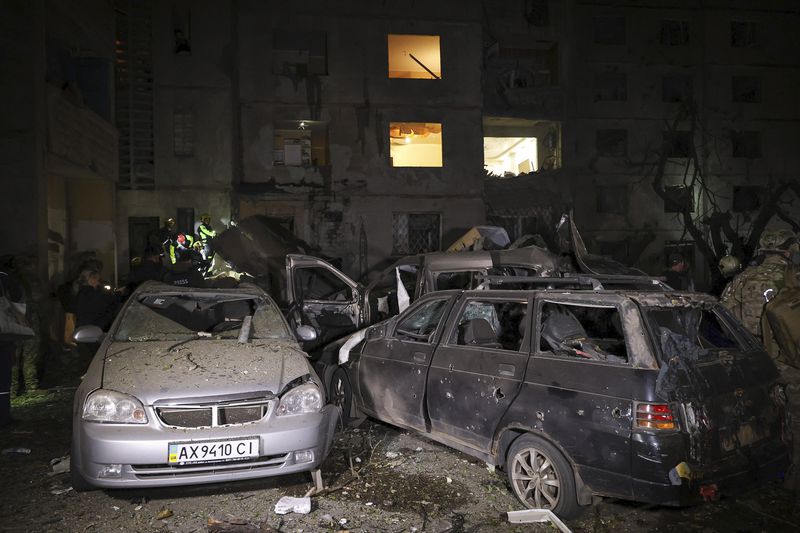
(115, 507)
(60, 465)
(528, 516)
(24, 451)
(288, 504)
(165, 512)
(449, 479)
(60, 490)
(392, 455)
(234, 524)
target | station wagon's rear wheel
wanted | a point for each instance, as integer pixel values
(541, 477)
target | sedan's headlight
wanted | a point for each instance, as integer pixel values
(304, 398)
(111, 406)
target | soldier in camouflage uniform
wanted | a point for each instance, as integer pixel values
(749, 291)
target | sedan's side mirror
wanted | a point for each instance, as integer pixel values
(88, 335)
(306, 333)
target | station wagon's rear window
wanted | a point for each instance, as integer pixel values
(701, 328)
(182, 316)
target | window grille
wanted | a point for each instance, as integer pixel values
(415, 233)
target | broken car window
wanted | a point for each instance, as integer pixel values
(422, 323)
(492, 324)
(181, 317)
(702, 328)
(582, 332)
(317, 283)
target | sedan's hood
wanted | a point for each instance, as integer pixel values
(153, 371)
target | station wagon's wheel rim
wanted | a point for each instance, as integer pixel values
(535, 480)
(339, 391)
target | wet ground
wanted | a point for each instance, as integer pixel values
(377, 478)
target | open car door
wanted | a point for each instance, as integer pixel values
(321, 296)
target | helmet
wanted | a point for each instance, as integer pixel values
(776, 239)
(205, 218)
(181, 238)
(170, 223)
(729, 265)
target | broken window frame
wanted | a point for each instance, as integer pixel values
(428, 72)
(402, 249)
(495, 319)
(539, 349)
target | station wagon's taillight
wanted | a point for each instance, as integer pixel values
(655, 416)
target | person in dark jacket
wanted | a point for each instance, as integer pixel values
(677, 274)
(93, 305)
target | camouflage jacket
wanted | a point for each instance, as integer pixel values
(744, 296)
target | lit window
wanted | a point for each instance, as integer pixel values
(415, 144)
(415, 233)
(504, 156)
(300, 143)
(415, 57)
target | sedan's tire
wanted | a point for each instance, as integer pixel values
(341, 394)
(541, 478)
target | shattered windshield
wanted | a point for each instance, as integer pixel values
(702, 330)
(184, 316)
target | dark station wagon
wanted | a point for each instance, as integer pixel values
(653, 396)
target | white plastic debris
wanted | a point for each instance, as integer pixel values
(60, 465)
(392, 455)
(449, 479)
(344, 350)
(60, 490)
(288, 504)
(528, 516)
(342, 521)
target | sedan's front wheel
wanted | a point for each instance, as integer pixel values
(541, 477)
(341, 395)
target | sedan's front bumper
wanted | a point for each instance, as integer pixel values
(128, 456)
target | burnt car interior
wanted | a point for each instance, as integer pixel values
(489, 324)
(584, 332)
(701, 328)
(168, 317)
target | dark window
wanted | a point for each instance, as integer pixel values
(185, 220)
(674, 32)
(182, 30)
(492, 324)
(139, 229)
(422, 323)
(612, 200)
(298, 53)
(744, 34)
(746, 89)
(676, 88)
(612, 142)
(183, 133)
(678, 199)
(747, 198)
(320, 284)
(537, 13)
(581, 332)
(458, 280)
(678, 143)
(610, 86)
(746, 144)
(609, 30)
(415, 233)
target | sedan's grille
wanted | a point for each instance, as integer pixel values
(213, 414)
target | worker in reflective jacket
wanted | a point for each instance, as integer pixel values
(204, 234)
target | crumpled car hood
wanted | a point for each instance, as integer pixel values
(152, 371)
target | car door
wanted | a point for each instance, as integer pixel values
(581, 381)
(478, 368)
(392, 368)
(321, 296)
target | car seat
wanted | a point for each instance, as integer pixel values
(477, 332)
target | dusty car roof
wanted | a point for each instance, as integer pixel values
(482, 258)
(645, 298)
(150, 287)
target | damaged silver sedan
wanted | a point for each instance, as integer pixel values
(197, 386)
